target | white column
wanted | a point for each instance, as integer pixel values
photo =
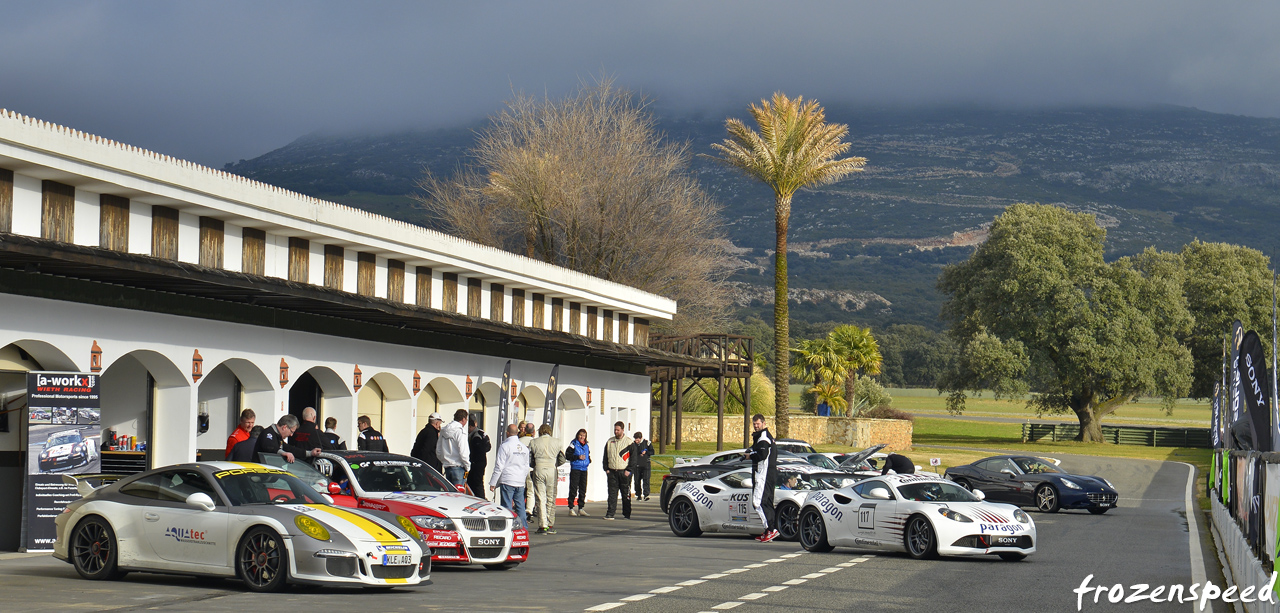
(188, 238)
(27, 199)
(232, 247)
(88, 216)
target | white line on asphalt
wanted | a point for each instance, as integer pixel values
(692, 582)
(1193, 529)
(734, 571)
(606, 606)
(830, 570)
(846, 564)
(794, 581)
(776, 588)
(812, 576)
(772, 560)
(726, 605)
(753, 596)
(792, 555)
(864, 559)
(637, 597)
(666, 590)
(715, 576)
(756, 565)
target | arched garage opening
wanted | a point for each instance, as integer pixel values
(327, 391)
(484, 407)
(385, 400)
(532, 404)
(227, 389)
(147, 412)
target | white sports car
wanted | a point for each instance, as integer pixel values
(723, 503)
(234, 519)
(923, 515)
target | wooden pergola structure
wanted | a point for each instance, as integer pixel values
(727, 358)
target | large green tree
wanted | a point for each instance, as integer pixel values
(794, 148)
(1038, 309)
(1222, 283)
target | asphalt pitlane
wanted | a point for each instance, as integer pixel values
(639, 566)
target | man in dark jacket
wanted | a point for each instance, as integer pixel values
(272, 441)
(369, 439)
(764, 476)
(479, 444)
(308, 435)
(243, 451)
(642, 452)
(899, 464)
(424, 448)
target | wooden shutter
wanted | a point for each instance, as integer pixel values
(517, 307)
(473, 297)
(6, 200)
(253, 252)
(113, 229)
(424, 286)
(575, 318)
(333, 260)
(642, 332)
(539, 311)
(57, 212)
(395, 280)
(623, 322)
(557, 314)
(164, 232)
(299, 260)
(592, 316)
(212, 240)
(608, 325)
(497, 300)
(450, 302)
(366, 274)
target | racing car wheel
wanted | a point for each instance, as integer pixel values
(93, 549)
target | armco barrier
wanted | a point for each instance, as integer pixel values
(1122, 435)
(1244, 487)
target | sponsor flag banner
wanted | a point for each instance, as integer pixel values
(64, 426)
(1271, 506)
(1255, 390)
(549, 413)
(504, 401)
(1214, 433)
(1233, 384)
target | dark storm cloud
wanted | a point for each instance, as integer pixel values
(217, 81)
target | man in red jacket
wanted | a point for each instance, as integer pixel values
(241, 433)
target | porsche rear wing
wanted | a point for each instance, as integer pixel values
(83, 485)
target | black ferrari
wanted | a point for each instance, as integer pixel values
(1028, 481)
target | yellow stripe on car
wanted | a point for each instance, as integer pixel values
(371, 528)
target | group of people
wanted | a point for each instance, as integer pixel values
(289, 437)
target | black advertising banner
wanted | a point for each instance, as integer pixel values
(65, 430)
(1256, 392)
(549, 413)
(504, 401)
(1233, 385)
(1215, 434)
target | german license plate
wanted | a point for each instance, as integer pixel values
(488, 541)
(397, 559)
(1007, 541)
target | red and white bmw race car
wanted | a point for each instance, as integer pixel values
(458, 527)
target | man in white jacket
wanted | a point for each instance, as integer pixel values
(510, 469)
(453, 451)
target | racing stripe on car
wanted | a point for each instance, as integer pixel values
(360, 523)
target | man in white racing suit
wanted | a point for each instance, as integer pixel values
(764, 476)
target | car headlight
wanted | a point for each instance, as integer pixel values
(1071, 484)
(311, 527)
(1022, 517)
(409, 526)
(432, 522)
(953, 516)
(1108, 483)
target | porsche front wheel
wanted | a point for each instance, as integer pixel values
(262, 561)
(813, 532)
(93, 550)
(920, 539)
(788, 521)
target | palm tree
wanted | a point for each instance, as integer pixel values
(794, 148)
(859, 353)
(816, 359)
(831, 394)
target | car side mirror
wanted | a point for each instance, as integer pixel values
(200, 500)
(748, 483)
(334, 489)
(878, 493)
(979, 495)
(1008, 472)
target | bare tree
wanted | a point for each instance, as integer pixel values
(588, 182)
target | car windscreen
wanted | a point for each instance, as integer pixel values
(1035, 466)
(822, 461)
(64, 439)
(936, 491)
(399, 476)
(265, 486)
(299, 469)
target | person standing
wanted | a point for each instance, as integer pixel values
(424, 448)
(241, 433)
(272, 441)
(526, 437)
(308, 434)
(510, 468)
(479, 446)
(642, 454)
(764, 476)
(331, 434)
(546, 457)
(617, 467)
(579, 455)
(454, 454)
(243, 451)
(369, 439)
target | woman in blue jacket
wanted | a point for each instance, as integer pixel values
(579, 456)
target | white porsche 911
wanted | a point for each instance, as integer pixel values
(234, 519)
(923, 515)
(723, 503)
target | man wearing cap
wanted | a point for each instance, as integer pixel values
(428, 439)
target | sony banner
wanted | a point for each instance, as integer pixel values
(1255, 391)
(64, 437)
(504, 402)
(549, 413)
